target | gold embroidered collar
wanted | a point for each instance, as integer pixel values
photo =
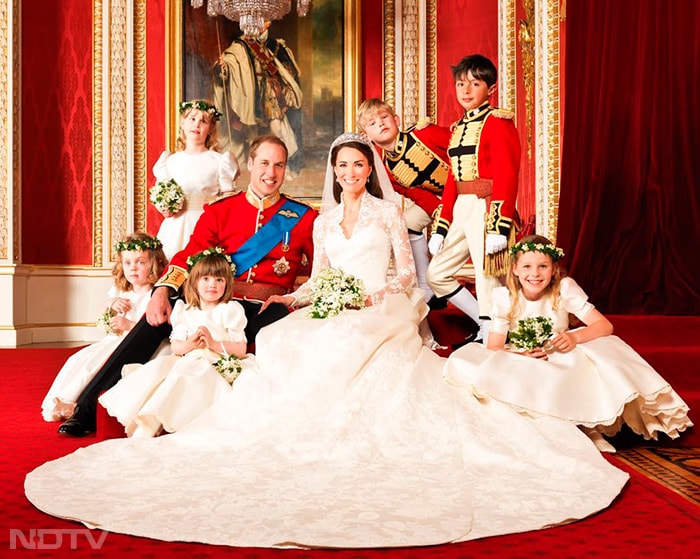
(261, 203)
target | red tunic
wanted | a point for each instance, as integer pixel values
(498, 151)
(229, 223)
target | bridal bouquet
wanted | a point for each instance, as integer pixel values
(167, 196)
(333, 290)
(229, 367)
(530, 333)
(104, 321)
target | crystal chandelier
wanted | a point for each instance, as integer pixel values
(252, 14)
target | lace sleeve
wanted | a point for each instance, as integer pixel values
(403, 257)
(302, 296)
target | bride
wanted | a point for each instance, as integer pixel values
(345, 434)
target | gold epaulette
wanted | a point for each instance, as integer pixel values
(224, 196)
(503, 113)
(422, 123)
(303, 202)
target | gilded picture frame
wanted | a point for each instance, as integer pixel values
(324, 46)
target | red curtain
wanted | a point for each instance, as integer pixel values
(629, 214)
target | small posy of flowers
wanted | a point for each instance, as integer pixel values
(104, 320)
(333, 290)
(167, 196)
(229, 367)
(531, 333)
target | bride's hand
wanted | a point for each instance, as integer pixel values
(286, 300)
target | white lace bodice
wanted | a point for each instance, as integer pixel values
(379, 234)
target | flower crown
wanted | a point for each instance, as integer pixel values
(351, 137)
(151, 243)
(200, 106)
(218, 251)
(554, 252)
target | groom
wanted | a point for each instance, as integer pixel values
(269, 237)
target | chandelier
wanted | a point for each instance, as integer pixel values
(251, 15)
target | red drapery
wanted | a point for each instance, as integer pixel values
(629, 214)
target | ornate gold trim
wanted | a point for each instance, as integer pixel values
(97, 131)
(352, 61)
(390, 52)
(547, 116)
(140, 117)
(173, 69)
(526, 32)
(507, 89)
(119, 113)
(410, 61)
(431, 60)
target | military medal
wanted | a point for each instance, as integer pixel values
(281, 266)
(285, 241)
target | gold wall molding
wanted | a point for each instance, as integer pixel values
(507, 89)
(526, 33)
(547, 116)
(140, 117)
(119, 80)
(97, 131)
(10, 177)
(390, 52)
(410, 58)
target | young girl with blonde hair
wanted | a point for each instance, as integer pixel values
(584, 375)
(198, 168)
(140, 262)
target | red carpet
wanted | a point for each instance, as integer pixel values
(647, 520)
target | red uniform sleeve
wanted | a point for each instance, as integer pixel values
(499, 160)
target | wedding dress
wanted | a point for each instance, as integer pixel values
(344, 436)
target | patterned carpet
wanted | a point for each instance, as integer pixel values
(678, 469)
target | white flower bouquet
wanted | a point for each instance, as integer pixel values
(333, 290)
(229, 367)
(531, 333)
(104, 319)
(167, 196)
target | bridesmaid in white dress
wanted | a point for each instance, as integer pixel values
(202, 172)
(140, 262)
(168, 392)
(586, 376)
(346, 435)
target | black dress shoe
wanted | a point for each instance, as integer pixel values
(81, 423)
(437, 303)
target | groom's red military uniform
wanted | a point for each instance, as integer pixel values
(240, 219)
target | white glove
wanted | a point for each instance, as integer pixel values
(435, 243)
(495, 243)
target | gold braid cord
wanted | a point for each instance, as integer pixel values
(496, 265)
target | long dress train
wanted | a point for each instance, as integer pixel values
(345, 436)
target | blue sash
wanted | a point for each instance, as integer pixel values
(268, 236)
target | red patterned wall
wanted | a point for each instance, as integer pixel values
(155, 98)
(56, 102)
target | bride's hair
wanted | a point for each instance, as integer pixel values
(378, 182)
(372, 184)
